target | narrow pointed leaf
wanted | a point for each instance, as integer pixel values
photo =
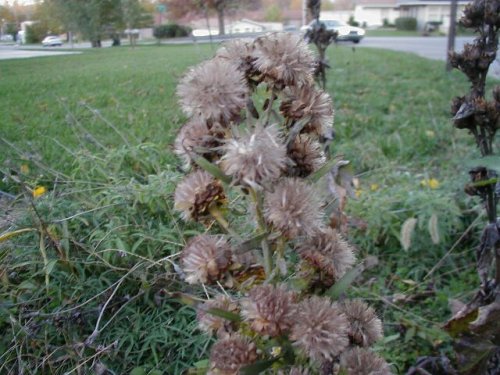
(211, 168)
(251, 244)
(345, 282)
(224, 314)
(324, 170)
(9, 235)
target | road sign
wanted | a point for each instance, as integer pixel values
(161, 8)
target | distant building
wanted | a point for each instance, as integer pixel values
(374, 13)
(430, 11)
(243, 26)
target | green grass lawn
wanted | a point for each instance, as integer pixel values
(96, 128)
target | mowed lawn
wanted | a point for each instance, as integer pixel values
(392, 122)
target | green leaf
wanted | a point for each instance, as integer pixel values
(50, 266)
(224, 314)
(490, 162)
(324, 170)
(341, 286)
(257, 367)
(138, 371)
(211, 168)
(9, 235)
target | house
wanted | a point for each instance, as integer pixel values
(375, 13)
(248, 26)
(426, 11)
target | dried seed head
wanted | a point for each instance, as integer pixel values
(365, 326)
(214, 90)
(210, 323)
(328, 252)
(299, 102)
(196, 137)
(284, 59)
(269, 310)
(320, 329)
(255, 159)
(293, 208)
(359, 361)
(241, 53)
(307, 156)
(196, 194)
(229, 355)
(205, 258)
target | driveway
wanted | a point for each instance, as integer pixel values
(13, 52)
(429, 47)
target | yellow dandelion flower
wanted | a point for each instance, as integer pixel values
(433, 183)
(39, 191)
(358, 193)
(25, 169)
(374, 187)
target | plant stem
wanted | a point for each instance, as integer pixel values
(219, 217)
(266, 252)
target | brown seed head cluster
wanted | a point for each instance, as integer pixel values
(205, 258)
(255, 158)
(328, 252)
(307, 156)
(229, 355)
(284, 60)
(293, 208)
(359, 361)
(365, 328)
(211, 323)
(269, 310)
(320, 329)
(241, 53)
(196, 194)
(299, 102)
(215, 91)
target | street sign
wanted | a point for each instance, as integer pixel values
(161, 8)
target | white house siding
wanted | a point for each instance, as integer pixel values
(374, 16)
(429, 12)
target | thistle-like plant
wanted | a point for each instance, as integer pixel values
(255, 159)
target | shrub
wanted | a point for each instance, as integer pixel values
(35, 33)
(171, 30)
(352, 21)
(406, 23)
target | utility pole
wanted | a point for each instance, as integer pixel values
(451, 33)
(304, 12)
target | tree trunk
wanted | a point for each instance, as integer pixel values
(220, 16)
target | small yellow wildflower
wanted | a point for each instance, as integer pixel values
(25, 169)
(39, 191)
(430, 133)
(276, 351)
(431, 183)
(374, 187)
(358, 193)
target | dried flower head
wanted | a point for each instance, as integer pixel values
(205, 258)
(328, 252)
(320, 329)
(359, 361)
(196, 137)
(293, 208)
(269, 309)
(299, 102)
(239, 52)
(214, 90)
(256, 158)
(210, 323)
(229, 355)
(284, 59)
(365, 327)
(196, 194)
(307, 156)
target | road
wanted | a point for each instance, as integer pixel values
(428, 47)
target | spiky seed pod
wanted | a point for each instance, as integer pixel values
(205, 258)
(359, 361)
(293, 208)
(320, 329)
(196, 137)
(241, 53)
(255, 158)
(210, 323)
(365, 327)
(299, 102)
(307, 156)
(284, 60)
(328, 252)
(196, 194)
(269, 309)
(229, 355)
(214, 90)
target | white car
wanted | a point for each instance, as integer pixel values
(51, 41)
(345, 32)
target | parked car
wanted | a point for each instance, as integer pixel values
(6, 38)
(345, 31)
(51, 41)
